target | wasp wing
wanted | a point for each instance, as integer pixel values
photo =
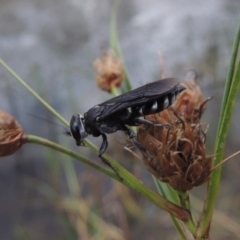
(139, 96)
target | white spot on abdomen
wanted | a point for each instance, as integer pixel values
(154, 107)
(166, 103)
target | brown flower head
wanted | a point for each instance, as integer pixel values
(176, 154)
(108, 71)
(11, 134)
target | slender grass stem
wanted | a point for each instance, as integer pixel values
(230, 95)
(127, 179)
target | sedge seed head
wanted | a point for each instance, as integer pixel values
(178, 152)
(109, 72)
(11, 134)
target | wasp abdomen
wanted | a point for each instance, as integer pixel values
(157, 105)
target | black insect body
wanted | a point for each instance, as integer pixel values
(126, 109)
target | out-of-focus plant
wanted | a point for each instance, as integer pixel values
(179, 151)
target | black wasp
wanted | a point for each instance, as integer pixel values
(125, 109)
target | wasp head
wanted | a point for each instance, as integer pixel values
(77, 128)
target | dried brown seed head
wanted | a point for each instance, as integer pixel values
(108, 71)
(178, 152)
(11, 134)
(189, 102)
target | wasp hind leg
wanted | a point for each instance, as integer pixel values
(102, 150)
(139, 146)
(149, 123)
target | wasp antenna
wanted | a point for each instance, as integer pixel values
(46, 120)
(66, 130)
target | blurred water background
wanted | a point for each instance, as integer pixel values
(52, 44)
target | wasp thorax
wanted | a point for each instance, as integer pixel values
(179, 156)
(11, 134)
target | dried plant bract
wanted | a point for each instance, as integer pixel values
(108, 71)
(178, 155)
(11, 134)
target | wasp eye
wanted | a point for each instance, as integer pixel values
(75, 127)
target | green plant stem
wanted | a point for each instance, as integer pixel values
(115, 43)
(229, 100)
(24, 84)
(173, 197)
(37, 96)
(55, 146)
(114, 92)
(178, 198)
(128, 179)
(185, 202)
(71, 178)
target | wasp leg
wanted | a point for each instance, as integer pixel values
(104, 145)
(131, 135)
(102, 150)
(149, 123)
